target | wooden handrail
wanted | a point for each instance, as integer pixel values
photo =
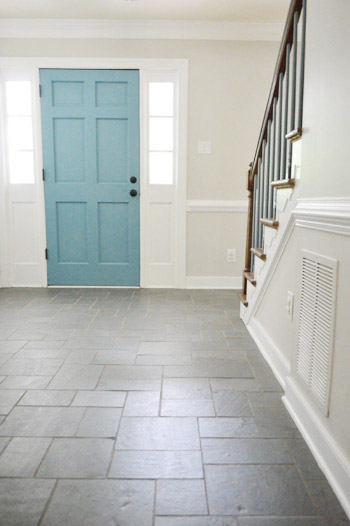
(295, 7)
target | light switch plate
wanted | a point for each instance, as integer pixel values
(204, 147)
(231, 255)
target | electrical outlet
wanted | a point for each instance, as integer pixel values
(204, 147)
(290, 305)
(231, 255)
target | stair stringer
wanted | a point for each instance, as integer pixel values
(275, 241)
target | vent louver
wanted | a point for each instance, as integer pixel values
(316, 325)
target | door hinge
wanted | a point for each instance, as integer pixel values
(40, 90)
(43, 174)
(45, 253)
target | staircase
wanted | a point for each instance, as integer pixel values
(272, 178)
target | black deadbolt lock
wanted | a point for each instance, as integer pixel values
(133, 179)
(133, 193)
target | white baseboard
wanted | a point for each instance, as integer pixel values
(327, 453)
(278, 363)
(213, 282)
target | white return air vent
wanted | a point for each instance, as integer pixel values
(316, 325)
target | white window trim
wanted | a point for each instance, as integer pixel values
(31, 65)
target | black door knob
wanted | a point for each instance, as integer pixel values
(133, 193)
(133, 179)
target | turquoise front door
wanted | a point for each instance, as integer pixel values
(90, 127)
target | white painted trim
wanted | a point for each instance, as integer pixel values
(326, 214)
(272, 354)
(268, 271)
(330, 458)
(217, 206)
(140, 29)
(32, 65)
(213, 282)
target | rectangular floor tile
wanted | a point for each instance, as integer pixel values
(113, 356)
(228, 428)
(234, 384)
(8, 400)
(11, 346)
(3, 443)
(187, 408)
(163, 359)
(82, 356)
(186, 389)
(42, 421)
(231, 403)
(45, 397)
(327, 503)
(22, 456)
(25, 382)
(90, 342)
(156, 464)
(131, 377)
(181, 496)
(77, 458)
(275, 423)
(76, 377)
(99, 399)
(142, 403)
(197, 521)
(101, 502)
(304, 459)
(245, 451)
(276, 521)
(211, 368)
(31, 367)
(158, 433)
(23, 501)
(257, 490)
(99, 422)
(164, 348)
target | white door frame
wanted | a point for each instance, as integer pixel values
(178, 69)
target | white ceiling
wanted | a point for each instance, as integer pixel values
(230, 10)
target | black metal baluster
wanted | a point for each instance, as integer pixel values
(267, 173)
(302, 66)
(273, 160)
(293, 92)
(279, 129)
(285, 117)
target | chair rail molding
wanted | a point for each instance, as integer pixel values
(326, 214)
(140, 29)
(217, 206)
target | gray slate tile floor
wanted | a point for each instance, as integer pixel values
(146, 408)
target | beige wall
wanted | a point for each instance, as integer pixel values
(327, 103)
(228, 89)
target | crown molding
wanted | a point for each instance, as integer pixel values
(140, 29)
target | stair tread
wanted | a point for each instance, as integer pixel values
(243, 298)
(271, 223)
(250, 277)
(259, 252)
(283, 183)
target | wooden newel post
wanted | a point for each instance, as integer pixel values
(250, 188)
